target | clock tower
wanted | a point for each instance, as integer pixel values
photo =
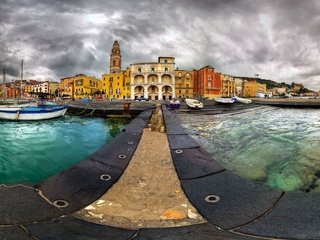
(115, 58)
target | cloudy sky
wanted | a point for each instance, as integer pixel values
(278, 39)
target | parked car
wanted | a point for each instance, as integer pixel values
(142, 99)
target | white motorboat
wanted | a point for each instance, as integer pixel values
(225, 100)
(242, 100)
(194, 104)
(32, 113)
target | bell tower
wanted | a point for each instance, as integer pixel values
(115, 58)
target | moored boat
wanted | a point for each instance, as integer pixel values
(32, 113)
(242, 100)
(225, 100)
(194, 104)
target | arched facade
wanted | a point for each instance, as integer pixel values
(157, 79)
(138, 92)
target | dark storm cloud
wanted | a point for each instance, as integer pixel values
(277, 39)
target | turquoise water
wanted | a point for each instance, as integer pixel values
(276, 147)
(32, 151)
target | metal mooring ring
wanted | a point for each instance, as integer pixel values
(179, 151)
(130, 143)
(122, 156)
(212, 199)
(60, 203)
(105, 177)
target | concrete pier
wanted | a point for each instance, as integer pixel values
(231, 207)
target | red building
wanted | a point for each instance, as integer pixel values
(12, 91)
(207, 83)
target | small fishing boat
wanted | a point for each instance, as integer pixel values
(225, 100)
(32, 113)
(242, 100)
(194, 104)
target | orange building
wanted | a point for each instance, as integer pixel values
(207, 83)
(184, 83)
(251, 88)
(66, 87)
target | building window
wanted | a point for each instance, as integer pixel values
(139, 69)
(166, 69)
(165, 60)
(114, 62)
(152, 69)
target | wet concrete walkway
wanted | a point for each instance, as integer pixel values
(148, 194)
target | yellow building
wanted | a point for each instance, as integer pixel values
(184, 83)
(228, 86)
(116, 85)
(86, 86)
(252, 88)
(239, 86)
(66, 87)
(54, 88)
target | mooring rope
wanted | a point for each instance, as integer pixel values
(89, 114)
(80, 112)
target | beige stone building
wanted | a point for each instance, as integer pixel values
(153, 80)
(228, 86)
(239, 86)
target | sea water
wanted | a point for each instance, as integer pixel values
(274, 146)
(31, 151)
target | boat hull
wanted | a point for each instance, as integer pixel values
(243, 100)
(32, 113)
(194, 104)
(224, 100)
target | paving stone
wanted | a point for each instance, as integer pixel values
(175, 128)
(70, 228)
(295, 216)
(182, 142)
(20, 204)
(241, 201)
(124, 145)
(136, 125)
(81, 184)
(169, 117)
(146, 114)
(194, 163)
(13, 233)
(193, 232)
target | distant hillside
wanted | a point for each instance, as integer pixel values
(269, 83)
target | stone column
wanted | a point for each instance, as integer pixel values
(145, 94)
(159, 92)
(132, 91)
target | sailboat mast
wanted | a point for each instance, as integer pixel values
(4, 85)
(21, 79)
